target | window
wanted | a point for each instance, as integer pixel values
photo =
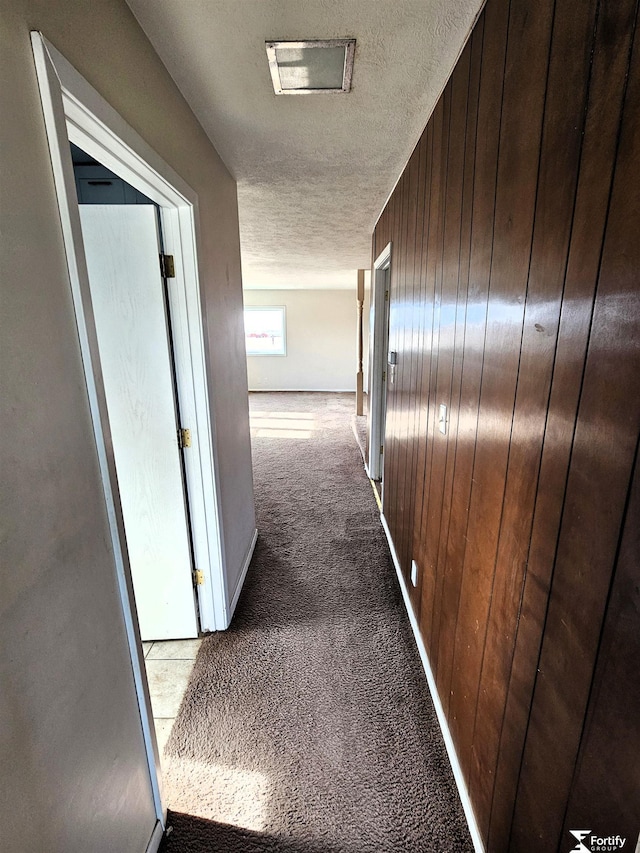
(264, 330)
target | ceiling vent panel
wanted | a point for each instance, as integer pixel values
(324, 66)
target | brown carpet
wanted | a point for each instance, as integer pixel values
(307, 727)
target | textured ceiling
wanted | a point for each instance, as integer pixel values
(313, 171)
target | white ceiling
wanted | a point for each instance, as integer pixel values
(313, 171)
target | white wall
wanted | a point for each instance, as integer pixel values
(73, 766)
(321, 342)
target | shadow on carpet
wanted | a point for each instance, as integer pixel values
(191, 834)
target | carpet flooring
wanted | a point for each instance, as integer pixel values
(307, 727)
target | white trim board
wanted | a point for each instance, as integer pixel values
(243, 574)
(156, 838)
(378, 345)
(302, 390)
(444, 726)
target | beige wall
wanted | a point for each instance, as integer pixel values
(321, 342)
(74, 776)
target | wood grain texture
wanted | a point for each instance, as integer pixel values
(423, 307)
(407, 371)
(518, 163)
(495, 22)
(559, 161)
(606, 88)
(417, 315)
(459, 321)
(452, 222)
(604, 446)
(515, 303)
(431, 495)
(429, 370)
(604, 789)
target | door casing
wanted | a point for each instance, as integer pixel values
(378, 344)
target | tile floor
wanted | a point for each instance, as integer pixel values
(169, 664)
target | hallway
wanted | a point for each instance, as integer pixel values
(308, 725)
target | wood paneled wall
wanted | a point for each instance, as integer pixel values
(515, 283)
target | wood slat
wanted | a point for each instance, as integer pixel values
(519, 155)
(428, 277)
(408, 357)
(426, 563)
(564, 113)
(610, 62)
(416, 362)
(442, 608)
(425, 307)
(600, 797)
(449, 294)
(495, 21)
(434, 283)
(603, 452)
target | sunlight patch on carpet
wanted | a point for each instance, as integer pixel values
(283, 425)
(296, 416)
(231, 795)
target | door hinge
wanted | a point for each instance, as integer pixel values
(384, 375)
(184, 438)
(386, 296)
(167, 266)
(198, 578)
(381, 449)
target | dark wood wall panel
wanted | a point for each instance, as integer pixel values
(431, 242)
(450, 266)
(603, 452)
(606, 88)
(492, 29)
(606, 765)
(559, 161)
(515, 302)
(518, 162)
(425, 300)
(471, 83)
(408, 362)
(432, 490)
(417, 363)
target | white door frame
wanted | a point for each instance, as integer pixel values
(378, 342)
(74, 111)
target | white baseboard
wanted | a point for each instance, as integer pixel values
(303, 390)
(156, 838)
(243, 574)
(444, 726)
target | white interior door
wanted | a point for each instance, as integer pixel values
(122, 246)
